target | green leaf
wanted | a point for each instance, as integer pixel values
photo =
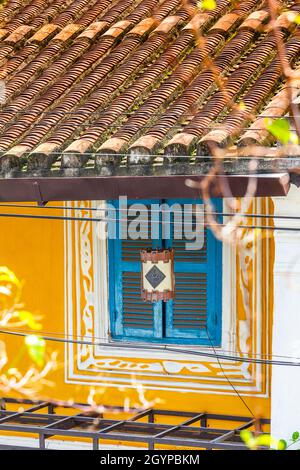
(245, 435)
(36, 349)
(6, 275)
(294, 138)
(248, 438)
(3, 355)
(293, 17)
(28, 318)
(280, 128)
(264, 440)
(295, 436)
(297, 19)
(267, 440)
(282, 444)
(207, 4)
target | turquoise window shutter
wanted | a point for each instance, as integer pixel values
(130, 316)
(194, 316)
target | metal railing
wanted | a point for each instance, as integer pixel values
(150, 426)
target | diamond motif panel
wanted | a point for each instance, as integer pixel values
(155, 276)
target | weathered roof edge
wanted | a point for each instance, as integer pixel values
(45, 189)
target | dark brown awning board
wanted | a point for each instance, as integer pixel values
(44, 189)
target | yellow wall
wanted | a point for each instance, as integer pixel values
(34, 250)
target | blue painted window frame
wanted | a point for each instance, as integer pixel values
(163, 331)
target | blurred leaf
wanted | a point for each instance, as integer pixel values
(6, 275)
(207, 4)
(268, 441)
(296, 19)
(248, 438)
(294, 138)
(282, 444)
(10, 288)
(280, 128)
(36, 349)
(5, 290)
(264, 440)
(28, 318)
(293, 17)
(3, 355)
(295, 436)
(245, 435)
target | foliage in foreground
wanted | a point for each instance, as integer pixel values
(13, 316)
(266, 440)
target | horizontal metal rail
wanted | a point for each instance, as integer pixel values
(142, 426)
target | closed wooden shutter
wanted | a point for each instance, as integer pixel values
(194, 315)
(132, 318)
(195, 312)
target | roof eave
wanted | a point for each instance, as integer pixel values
(44, 189)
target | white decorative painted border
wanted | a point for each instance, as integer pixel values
(87, 318)
(59, 444)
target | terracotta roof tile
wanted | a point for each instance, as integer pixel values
(94, 30)
(3, 33)
(277, 107)
(90, 82)
(19, 34)
(45, 33)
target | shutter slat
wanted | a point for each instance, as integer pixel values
(133, 318)
(189, 256)
(188, 314)
(143, 318)
(196, 308)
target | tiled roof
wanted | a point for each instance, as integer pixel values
(99, 84)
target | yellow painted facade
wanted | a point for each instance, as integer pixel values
(46, 254)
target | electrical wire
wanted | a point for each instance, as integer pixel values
(91, 219)
(160, 348)
(102, 338)
(151, 211)
(292, 443)
(227, 378)
(204, 354)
